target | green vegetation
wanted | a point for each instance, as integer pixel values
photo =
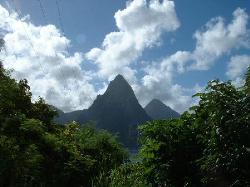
(208, 146)
(36, 152)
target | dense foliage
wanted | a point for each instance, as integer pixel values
(36, 152)
(129, 174)
(208, 146)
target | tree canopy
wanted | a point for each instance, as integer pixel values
(34, 151)
(208, 146)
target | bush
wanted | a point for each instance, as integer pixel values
(129, 174)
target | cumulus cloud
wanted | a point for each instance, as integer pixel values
(38, 53)
(214, 40)
(218, 38)
(158, 82)
(237, 67)
(140, 26)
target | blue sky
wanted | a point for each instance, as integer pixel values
(169, 62)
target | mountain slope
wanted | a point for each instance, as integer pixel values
(158, 110)
(64, 118)
(117, 111)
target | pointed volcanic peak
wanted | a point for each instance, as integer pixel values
(119, 87)
(156, 109)
(118, 111)
(119, 97)
(119, 93)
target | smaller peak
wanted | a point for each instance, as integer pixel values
(156, 101)
(156, 109)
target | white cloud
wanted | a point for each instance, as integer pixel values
(237, 67)
(213, 41)
(158, 83)
(173, 95)
(219, 38)
(140, 26)
(38, 53)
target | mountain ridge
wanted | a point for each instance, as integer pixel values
(156, 109)
(117, 111)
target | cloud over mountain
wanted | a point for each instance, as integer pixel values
(39, 53)
(215, 39)
(140, 26)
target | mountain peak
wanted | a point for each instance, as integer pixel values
(156, 101)
(119, 77)
(119, 87)
(156, 109)
(119, 81)
(118, 111)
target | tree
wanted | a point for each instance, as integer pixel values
(208, 146)
(168, 152)
(129, 174)
(247, 83)
(34, 151)
(222, 117)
